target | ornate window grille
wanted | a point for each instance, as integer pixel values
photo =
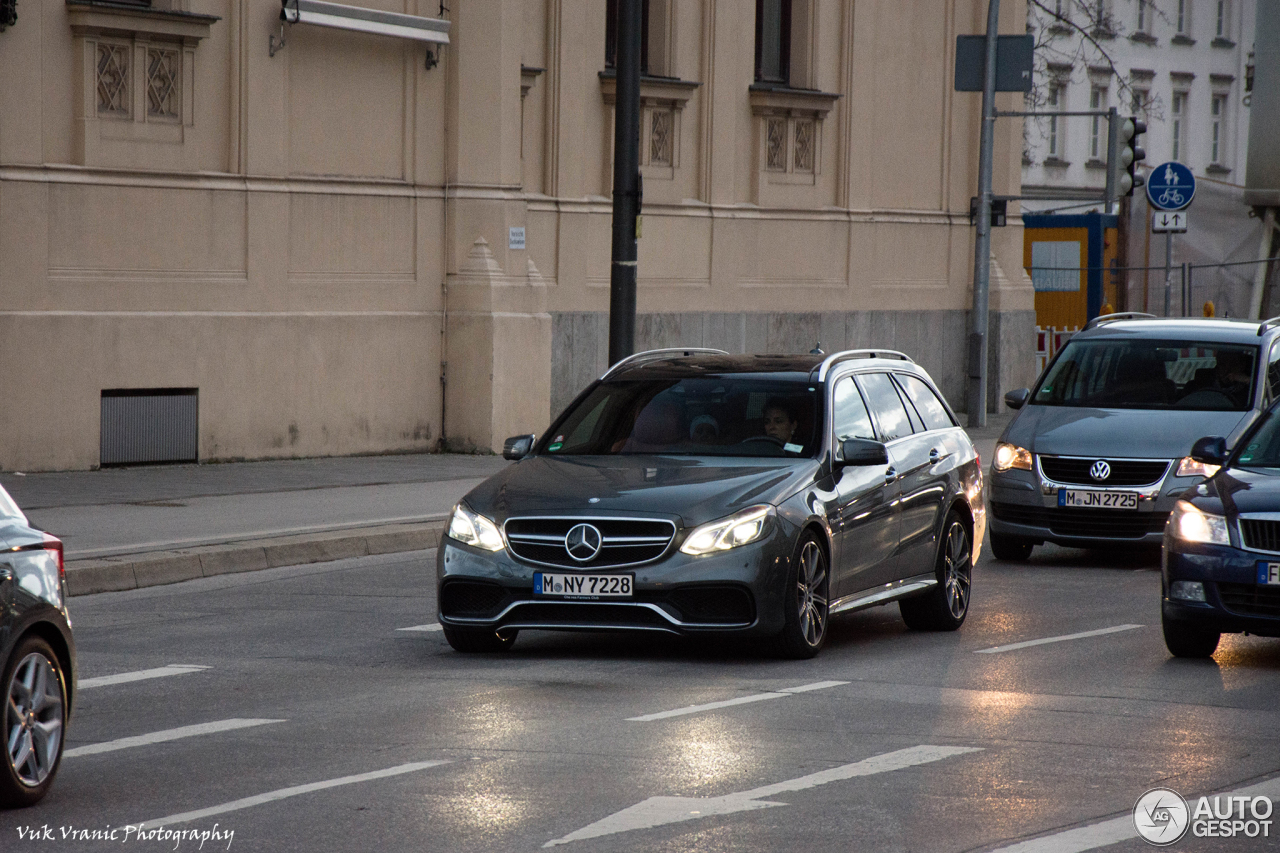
(776, 144)
(164, 83)
(804, 146)
(660, 138)
(113, 79)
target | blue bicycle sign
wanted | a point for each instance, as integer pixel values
(1171, 186)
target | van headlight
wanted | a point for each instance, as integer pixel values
(474, 529)
(1012, 456)
(1192, 524)
(740, 529)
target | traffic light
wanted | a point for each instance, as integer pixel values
(1131, 154)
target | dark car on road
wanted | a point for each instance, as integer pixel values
(696, 492)
(38, 655)
(1097, 453)
(1221, 567)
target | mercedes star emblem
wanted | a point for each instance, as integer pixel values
(583, 542)
(1100, 470)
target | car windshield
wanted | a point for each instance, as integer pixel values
(728, 416)
(1262, 450)
(1150, 374)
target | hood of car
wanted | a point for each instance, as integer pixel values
(695, 490)
(1239, 490)
(1129, 433)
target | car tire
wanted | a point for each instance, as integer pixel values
(470, 640)
(1185, 640)
(805, 601)
(1009, 547)
(945, 606)
(34, 722)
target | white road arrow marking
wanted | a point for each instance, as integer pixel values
(426, 629)
(659, 811)
(166, 735)
(140, 675)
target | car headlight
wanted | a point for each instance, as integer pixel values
(746, 526)
(1012, 456)
(1189, 467)
(1191, 524)
(474, 529)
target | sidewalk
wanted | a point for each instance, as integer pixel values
(126, 528)
(133, 527)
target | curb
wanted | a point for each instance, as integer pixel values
(135, 571)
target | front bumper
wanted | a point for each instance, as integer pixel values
(736, 591)
(1024, 505)
(1235, 601)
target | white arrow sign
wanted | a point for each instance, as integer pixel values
(659, 811)
(1169, 221)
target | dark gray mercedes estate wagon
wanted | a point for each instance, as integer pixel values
(696, 492)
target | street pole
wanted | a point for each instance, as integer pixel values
(626, 184)
(978, 321)
(1168, 271)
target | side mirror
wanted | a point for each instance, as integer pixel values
(517, 447)
(1017, 399)
(862, 451)
(1211, 450)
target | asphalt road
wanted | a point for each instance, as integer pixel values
(292, 709)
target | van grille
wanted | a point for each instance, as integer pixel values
(1124, 472)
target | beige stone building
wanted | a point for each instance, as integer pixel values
(216, 247)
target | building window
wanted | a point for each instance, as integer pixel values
(773, 41)
(1217, 141)
(1144, 17)
(1221, 29)
(1178, 112)
(611, 35)
(1097, 127)
(113, 80)
(1054, 103)
(1182, 18)
(1141, 102)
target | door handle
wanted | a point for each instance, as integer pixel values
(936, 455)
(891, 474)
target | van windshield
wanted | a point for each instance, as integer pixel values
(731, 416)
(1150, 374)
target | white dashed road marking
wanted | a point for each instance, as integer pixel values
(166, 735)
(426, 629)
(741, 700)
(1117, 829)
(658, 811)
(1029, 643)
(284, 793)
(140, 675)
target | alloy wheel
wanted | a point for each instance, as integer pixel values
(811, 583)
(33, 719)
(957, 574)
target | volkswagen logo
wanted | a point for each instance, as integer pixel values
(1100, 470)
(583, 542)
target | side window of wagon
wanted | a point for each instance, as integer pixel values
(850, 413)
(885, 404)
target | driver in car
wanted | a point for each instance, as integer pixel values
(779, 423)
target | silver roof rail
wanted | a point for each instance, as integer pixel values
(831, 360)
(658, 354)
(1267, 324)
(1123, 315)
